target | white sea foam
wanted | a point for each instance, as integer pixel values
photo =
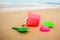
(23, 4)
(12, 6)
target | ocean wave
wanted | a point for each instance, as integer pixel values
(23, 4)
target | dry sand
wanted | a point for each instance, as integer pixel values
(10, 19)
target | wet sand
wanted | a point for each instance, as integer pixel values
(10, 19)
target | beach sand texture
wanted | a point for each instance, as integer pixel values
(10, 19)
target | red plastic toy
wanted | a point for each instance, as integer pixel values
(44, 29)
(33, 19)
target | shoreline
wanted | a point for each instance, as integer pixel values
(25, 8)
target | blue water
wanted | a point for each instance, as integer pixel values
(34, 1)
(17, 3)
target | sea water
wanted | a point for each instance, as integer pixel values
(29, 4)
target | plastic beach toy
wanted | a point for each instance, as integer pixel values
(44, 29)
(49, 24)
(22, 30)
(33, 19)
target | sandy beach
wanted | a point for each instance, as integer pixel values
(8, 19)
